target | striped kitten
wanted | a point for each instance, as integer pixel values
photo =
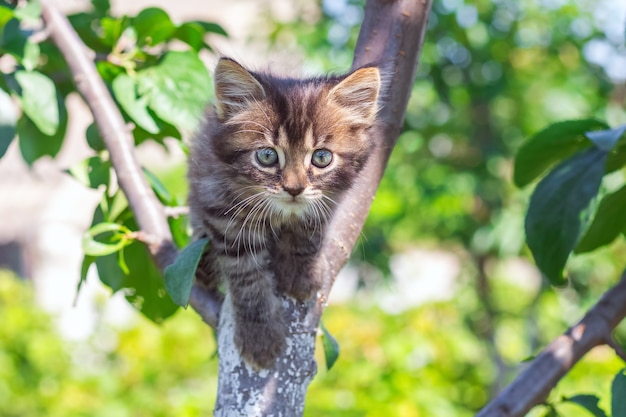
(266, 171)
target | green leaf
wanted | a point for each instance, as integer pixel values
(159, 189)
(34, 144)
(112, 29)
(589, 402)
(102, 7)
(98, 172)
(608, 222)
(118, 209)
(86, 24)
(6, 14)
(84, 268)
(145, 287)
(8, 120)
(125, 91)
(551, 412)
(153, 26)
(13, 40)
(556, 142)
(117, 237)
(92, 172)
(30, 12)
(606, 139)
(180, 275)
(618, 394)
(94, 140)
(109, 71)
(211, 27)
(178, 88)
(179, 226)
(331, 347)
(39, 100)
(109, 272)
(192, 34)
(558, 212)
(616, 159)
(166, 130)
(30, 60)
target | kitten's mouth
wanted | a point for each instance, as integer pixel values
(294, 202)
(292, 205)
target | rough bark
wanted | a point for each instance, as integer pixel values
(279, 391)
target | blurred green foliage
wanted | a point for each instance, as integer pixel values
(402, 365)
(144, 370)
(491, 74)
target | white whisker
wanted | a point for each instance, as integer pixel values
(244, 237)
(329, 199)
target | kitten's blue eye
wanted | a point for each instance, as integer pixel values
(322, 158)
(267, 157)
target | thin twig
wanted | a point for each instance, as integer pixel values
(176, 212)
(116, 135)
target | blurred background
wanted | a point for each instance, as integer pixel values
(441, 303)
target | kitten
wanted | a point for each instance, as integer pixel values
(266, 172)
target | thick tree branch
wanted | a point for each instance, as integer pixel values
(391, 36)
(533, 386)
(147, 209)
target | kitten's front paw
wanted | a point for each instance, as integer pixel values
(260, 343)
(302, 288)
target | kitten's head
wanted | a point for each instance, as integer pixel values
(298, 143)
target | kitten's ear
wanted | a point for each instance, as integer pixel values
(358, 93)
(235, 88)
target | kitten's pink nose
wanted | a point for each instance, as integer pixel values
(293, 190)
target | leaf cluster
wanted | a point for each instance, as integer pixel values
(570, 210)
(152, 67)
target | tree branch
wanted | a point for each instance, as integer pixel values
(147, 209)
(391, 36)
(533, 385)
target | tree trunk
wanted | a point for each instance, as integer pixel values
(277, 392)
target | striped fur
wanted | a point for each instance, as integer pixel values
(266, 222)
